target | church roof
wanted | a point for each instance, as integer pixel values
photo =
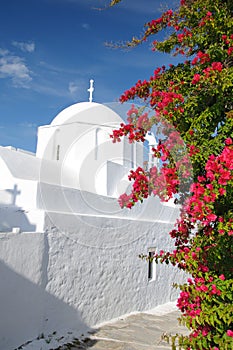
(87, 112)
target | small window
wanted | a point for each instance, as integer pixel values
(58, 152)
(151, 265)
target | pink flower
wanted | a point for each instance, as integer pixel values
(222, 191)
(180, 37)
(230, 333)
(203, 288)
(204, 268)
(195, 334)
(194, 255)
(205, 331)
(230, 50)
(211, 217)
(196, 78)
(217, 66)
(194, 61)
(215, 290)
(170, 12)
(222, 277)
(124, 200)
(228, 141)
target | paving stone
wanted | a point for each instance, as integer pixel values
(136, 332)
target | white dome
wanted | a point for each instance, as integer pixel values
(80, 112)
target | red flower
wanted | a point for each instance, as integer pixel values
(215, 290)
(205, 331)
(180, 37)
(222, 191)
(217, 66)
(194, 61)
(196, 78)
(228, 141)
(230, 333)
(230, 50)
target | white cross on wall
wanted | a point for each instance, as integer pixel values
(91, 89)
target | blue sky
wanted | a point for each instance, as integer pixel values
(50, 49)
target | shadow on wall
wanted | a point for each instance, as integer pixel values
(27, 311)
(13, 216)
(10, 214)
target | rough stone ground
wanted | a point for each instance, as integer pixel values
(136, 332)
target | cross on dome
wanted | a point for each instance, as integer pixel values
(90, 90)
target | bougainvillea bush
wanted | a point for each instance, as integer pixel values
(196, 98)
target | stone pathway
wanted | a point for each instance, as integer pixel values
(136, 332)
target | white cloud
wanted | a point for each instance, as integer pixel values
(46, 89)
(14, 67)
(25, 46)
(3, 52)
(78, 90)
(86, 26)
(59, 70)
(28, 125)
(73, 88)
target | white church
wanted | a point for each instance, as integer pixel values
(69, 254)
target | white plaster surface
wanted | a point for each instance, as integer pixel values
(74, 261)
(79, 140)
(105, 255)
(66, 200)
(84, 272)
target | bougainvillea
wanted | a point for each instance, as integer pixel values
(193, 109)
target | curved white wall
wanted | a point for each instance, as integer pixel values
(83, 270)
(78, 139)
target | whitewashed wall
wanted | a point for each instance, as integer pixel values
(29, 186)
(82, 271)
(78, 139)
(24, 302)
(75, 263)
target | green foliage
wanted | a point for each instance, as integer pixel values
(196, 97)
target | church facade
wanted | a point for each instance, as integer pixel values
(69, 254)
